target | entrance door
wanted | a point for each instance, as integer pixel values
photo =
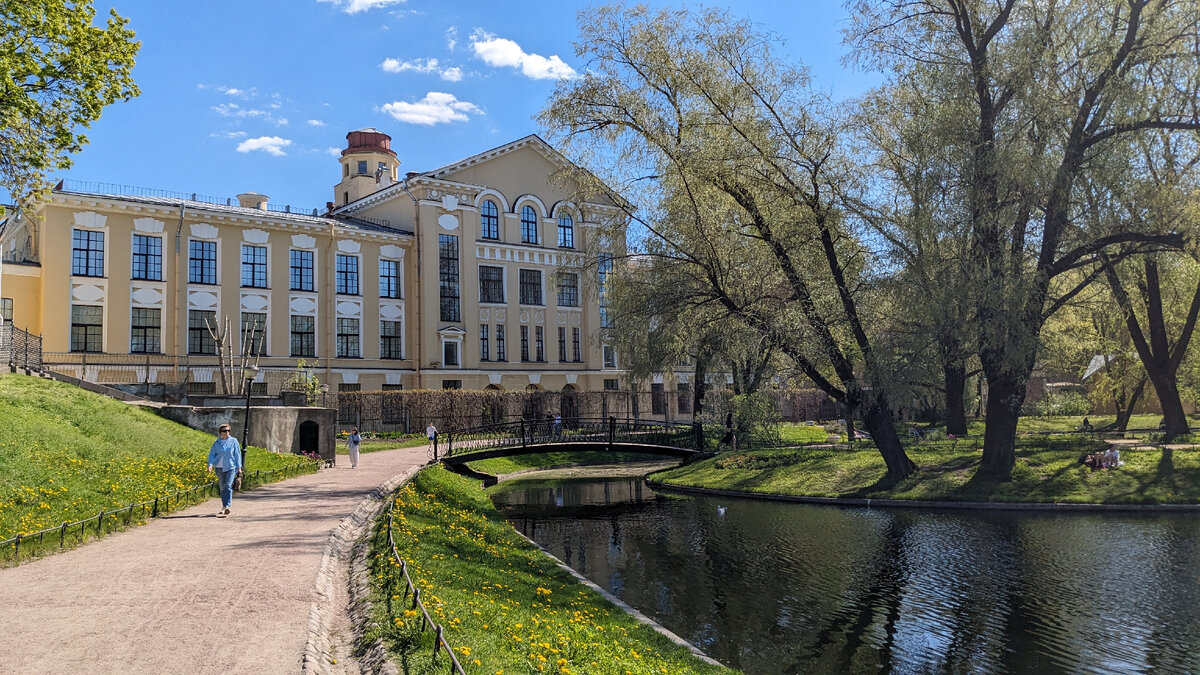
(310, 438)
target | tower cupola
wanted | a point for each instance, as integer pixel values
(368, 164)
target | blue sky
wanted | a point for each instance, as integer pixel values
(258, 95)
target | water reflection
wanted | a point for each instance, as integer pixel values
(782, 588)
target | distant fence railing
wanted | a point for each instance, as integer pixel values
(608, 432)
(156, 507)
(19, 347)
(439, 642)
(201, 374)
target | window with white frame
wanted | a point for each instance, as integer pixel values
(568, 289)
(390, 340)
(87, 328)
(610, 356)
(389, 278)
(202, 262)
(491, 284)
(484, 347)
(448, 278)
(489, 220)
(529, 225)
(301, 270)
(145, 329)
(147, 258)
(348, 342)
(530, 287)
(254, 266)
(254, 332)
(200, 339)
(87, 253)
(566, 231)
(450, 353)
(303, 336)
(347, 275)
(539, 343)
(501, 355)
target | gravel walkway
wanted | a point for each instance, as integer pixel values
(190, 592)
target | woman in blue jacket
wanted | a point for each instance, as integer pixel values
(226, 458)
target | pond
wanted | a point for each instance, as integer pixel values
(784, 588)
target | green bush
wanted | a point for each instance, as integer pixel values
(1060, 403)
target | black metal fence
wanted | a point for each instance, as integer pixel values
(124, 516)
(187, 374)
(20, 348)
(602, 433)
(439, 642)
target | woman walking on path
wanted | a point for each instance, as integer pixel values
(352, 444)
(225, 457)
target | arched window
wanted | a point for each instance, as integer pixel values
(566, 231)
(489, 220)
(529, 225)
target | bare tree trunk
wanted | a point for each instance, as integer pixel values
(956, 383)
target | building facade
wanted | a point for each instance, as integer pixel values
(473, 275)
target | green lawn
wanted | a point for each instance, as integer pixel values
(380, 444)
(498, 466)
(67, 454)
(506, 607)
(1047, 470)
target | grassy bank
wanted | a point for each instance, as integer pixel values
(506, 607)
(67, 454)
(498, 466)
(381, 444)
(1046, 471)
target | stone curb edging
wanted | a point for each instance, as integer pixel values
(347, 544)
(925, 504)
(626, 608)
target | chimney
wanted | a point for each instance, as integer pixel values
(252, 200)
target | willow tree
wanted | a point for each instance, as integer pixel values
(732, 158)
(1042, 91)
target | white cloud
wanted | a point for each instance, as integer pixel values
(333, 152)
(451, 37)
(504, 53)
(282, 121)
(435, 108)
(228, 134)
(356, 6)
(234, 110)
(272, 145)
(315, 123)
(425, 66)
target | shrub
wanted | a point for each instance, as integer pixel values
(1060, 403)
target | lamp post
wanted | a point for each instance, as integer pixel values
(249, 374)
(324, 390)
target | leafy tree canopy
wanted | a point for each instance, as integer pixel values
(57, 73)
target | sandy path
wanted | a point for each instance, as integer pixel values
(190, 592)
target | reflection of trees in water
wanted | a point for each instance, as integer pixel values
(793, 588)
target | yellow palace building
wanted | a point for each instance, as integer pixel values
(472, 275)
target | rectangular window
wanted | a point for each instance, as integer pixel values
(610, 357)
(202, 262)
(610, 385)
(301, 264)
(362, 167)
(390, 340)
(484, 351)
(448, 277)
(605, 268)
(524, 343)
(389, 278)
(491, 284)
(347, 275)
(254, 266)
(348, 344)
(87, 328)
(451, 384)
(501, 354)
(539, 343)
(566, 231)
(254, 333)
(304, 337)
(144, 330)
(562, 343)
(684, 392)
(200, 340)
(147, 258)
(658, 399)
(87, 253)
(530, 287)
(575, 345)
(568, 289)
(6, 309)
(450, 353)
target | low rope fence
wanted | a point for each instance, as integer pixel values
(439, 642)
(123, 517)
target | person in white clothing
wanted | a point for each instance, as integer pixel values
(352, 443)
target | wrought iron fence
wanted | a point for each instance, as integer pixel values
(197, 374)
(439, 642)
(590, 431)
(20, 348)
(156, 507)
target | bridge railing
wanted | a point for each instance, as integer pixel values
(607, 431)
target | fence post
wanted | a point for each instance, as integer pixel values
(435, 445)
(437, 641)
(612, 431)
(522, 433)
(62, 535)
(154, 511)
(100, 523)
(17, 549)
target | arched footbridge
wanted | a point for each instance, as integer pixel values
(675, 439)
